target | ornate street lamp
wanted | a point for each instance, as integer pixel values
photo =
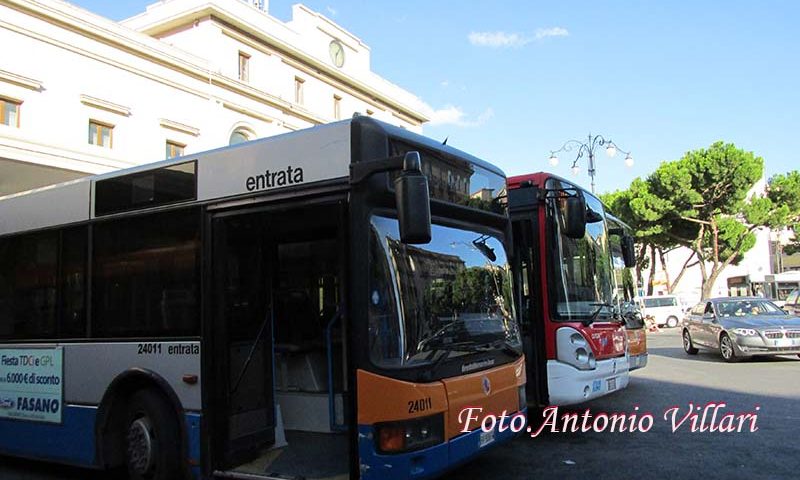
(588, 148)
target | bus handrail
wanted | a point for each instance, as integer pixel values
(335, 427)
(268, 319)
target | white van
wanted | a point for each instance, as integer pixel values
(666, 309)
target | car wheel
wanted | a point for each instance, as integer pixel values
(726, 349)
(152, 439)
(672, 322)
(687, 344)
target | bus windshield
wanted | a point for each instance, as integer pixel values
(582, 267)
(449, 298)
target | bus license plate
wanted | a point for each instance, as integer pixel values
(486, 438)
(612, 384)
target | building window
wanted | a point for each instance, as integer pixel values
(239, 135)
(174, 149)
(244, 67)
(298, 90)
(337, 107)
(9, 112)
(100, 134)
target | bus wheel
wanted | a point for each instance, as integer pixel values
(152, 440)
(687, 344)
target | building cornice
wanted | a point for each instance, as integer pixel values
(179, 127)
(26, 82)
(105, 105)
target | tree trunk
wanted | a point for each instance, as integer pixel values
(664, 269)
(708, 284)
(639, 263)
(652, 276)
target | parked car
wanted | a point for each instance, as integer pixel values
(665, 309)
(792, 304)
(740, 327)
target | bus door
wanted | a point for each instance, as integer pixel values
(243, 262)
(531, 313)
(280, 331)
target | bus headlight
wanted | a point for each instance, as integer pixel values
(573, 348)
(745, 332)
(410, 435)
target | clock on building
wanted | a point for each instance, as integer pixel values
(336, 49)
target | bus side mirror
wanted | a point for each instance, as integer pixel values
(628, 251)
(575, 216)
(413, 201)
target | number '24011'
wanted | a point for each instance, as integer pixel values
(149, 348)
(420, 405)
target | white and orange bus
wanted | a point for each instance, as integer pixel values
(319, 304)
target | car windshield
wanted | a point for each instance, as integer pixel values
(452, 295)
(583, 270)
(743, 308)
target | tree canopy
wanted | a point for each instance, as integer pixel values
(705, 202)
(784, 193)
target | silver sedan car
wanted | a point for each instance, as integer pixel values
(740, 327)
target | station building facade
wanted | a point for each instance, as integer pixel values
(82, 94)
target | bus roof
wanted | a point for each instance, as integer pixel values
(538, 179)
(317, 154)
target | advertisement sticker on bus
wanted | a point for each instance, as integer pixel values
(31, 384)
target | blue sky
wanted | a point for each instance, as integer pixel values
(510, 81)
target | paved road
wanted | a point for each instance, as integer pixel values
(671, 379)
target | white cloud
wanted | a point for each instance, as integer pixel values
(551, 32)
(444, 83)
(452, 115)
(502, 39)
(497, 39)
(332, 11)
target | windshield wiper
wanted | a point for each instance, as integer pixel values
(440, 333)
(596, 313)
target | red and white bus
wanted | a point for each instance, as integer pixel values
(573, 334)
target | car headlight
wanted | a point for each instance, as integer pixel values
(574, 349)
(745, 332)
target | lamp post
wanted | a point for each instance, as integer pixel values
(588, 148)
